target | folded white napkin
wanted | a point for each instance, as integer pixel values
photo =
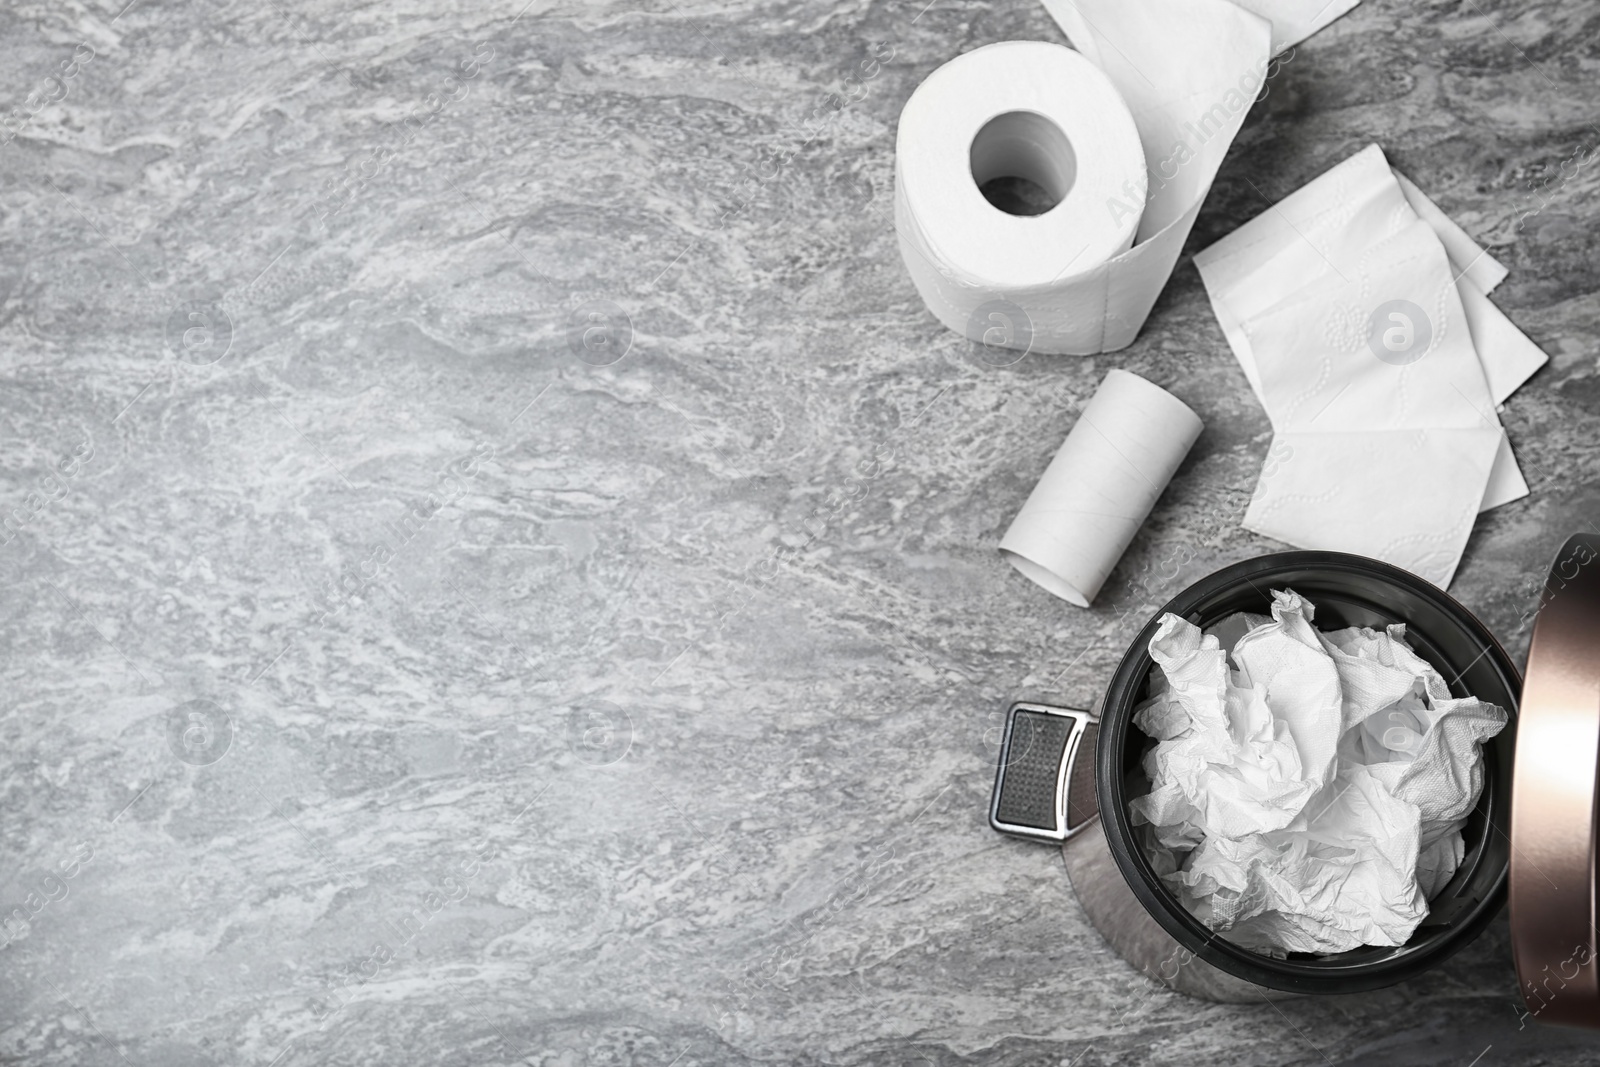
(1311, 798)
(1359, 314)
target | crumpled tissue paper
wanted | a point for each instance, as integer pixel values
(1360, 316)
(1310, 796)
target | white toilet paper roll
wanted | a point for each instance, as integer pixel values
(1125, 134)
(1102, 483)
(1046, 114)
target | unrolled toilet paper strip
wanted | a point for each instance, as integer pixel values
(1295, 20)
(1508, 355)
(1186, 70)
(1468, 258)
(1101, 485)
(1338, 215)
(1413, 443)
(1302, 293)
(1333, 220)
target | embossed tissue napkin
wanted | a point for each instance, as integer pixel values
(1309, 797)
(1360, 316)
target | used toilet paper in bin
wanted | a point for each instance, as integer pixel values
(1309, 795)
(1096, 493)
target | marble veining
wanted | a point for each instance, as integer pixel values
(499, 565)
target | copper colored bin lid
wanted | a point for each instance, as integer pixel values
(1553, 802)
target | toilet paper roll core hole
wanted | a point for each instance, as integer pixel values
(1023, 163)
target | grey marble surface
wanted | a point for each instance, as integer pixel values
(384, 683)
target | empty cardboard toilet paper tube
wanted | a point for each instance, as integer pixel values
(1125, 134)
(1101, 485)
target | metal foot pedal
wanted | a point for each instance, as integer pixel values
(1042, 790)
